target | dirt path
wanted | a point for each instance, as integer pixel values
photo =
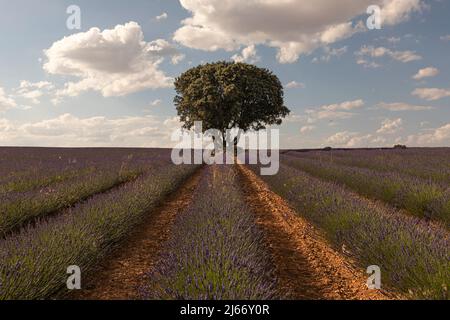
(307, 267)
(120, 276)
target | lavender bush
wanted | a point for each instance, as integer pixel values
(33, 262)
(423, 198)
(20, 207)
(26, 169)
(426, 163)
(79, 174)
(413, 255)
(216, 251)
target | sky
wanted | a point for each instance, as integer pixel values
(110, 82)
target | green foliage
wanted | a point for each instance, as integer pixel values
(226, 95)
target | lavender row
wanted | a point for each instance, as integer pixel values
(30, 181)
(414, 256)
(216, 251)
(26, 169)
(424, 199)
(19, 208)
(33, 263)
(431, 163)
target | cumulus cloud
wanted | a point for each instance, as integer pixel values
(33, 91)
(6, 102)
(347, 105)
(367, 64)
(114, 62)
(390, 126)
(379, 52)
(162, 48)
(294, 27)
(431, 94)
(306, 129)
(24, 84)
(295, 118)
(295, 85)
(358, 140)
(162, 16)
(437, 137)
(249, 55)
(329, 53)
(433, 137)
(396, 11)
(156, 102)
(341, 138)
(328, 114)
(426, 73)
(68, 130)
(336, 111)
(340, 32)
(331, 112)
(402, 106)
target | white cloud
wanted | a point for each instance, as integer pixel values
(336, 111)
(365, 141)
(390, 126)
(445, 38)
(348, 139)
(306, 129)
(347, 105)
(328, 114)
(379, 52)
(339, 32)
(5, 126)
(156, 102)
(434, 137)
(114, 62)
(176, 59)
(402, 106)
(329, 53)
(431, 94)
(248, 55)
(6, 102)
(295, 85)
(33, 96)
(162, 48)
(405, 56)
(33, 91)
(162, 16)
(24, 84)
(68, 130)
(294, 27)
(341, 138)
(396, 11)
(367, 64)
(295, 118)
(426, 73)
(430, 137)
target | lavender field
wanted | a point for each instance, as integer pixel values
(162, 231)
(216, 251)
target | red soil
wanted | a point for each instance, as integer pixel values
(306, 265)
(120, 276)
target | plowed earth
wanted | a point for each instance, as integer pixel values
(306, 265)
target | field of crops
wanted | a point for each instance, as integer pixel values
(85, 207)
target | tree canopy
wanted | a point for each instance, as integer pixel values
(227, 95)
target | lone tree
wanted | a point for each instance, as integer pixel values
(227, 95)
